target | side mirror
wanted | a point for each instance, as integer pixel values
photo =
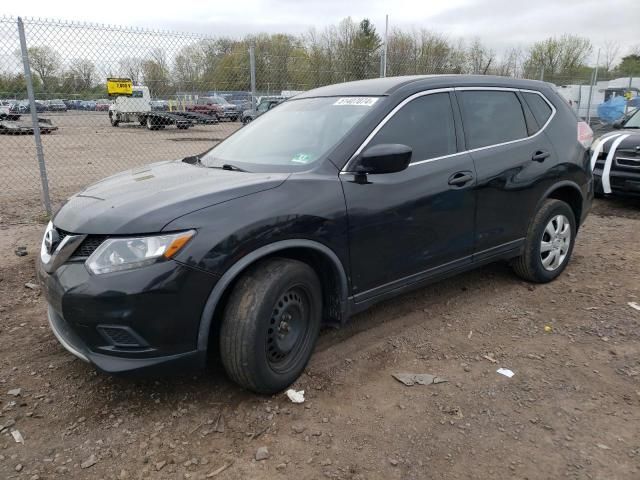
(384, 158)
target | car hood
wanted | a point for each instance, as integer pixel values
(144, 200)
(631, 142)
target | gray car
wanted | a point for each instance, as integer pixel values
(265, 105)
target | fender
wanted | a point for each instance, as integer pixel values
(556, 186)
(237, 268)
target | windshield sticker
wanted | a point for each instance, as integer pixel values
(301, 158)
(358, 101)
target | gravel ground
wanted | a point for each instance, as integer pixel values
(572, 409)
(85, 149)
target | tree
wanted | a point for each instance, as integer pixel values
(155, 72)
(131, 67)
(611, 51)
(630, 65)
(82, 73)
(479, 58)
(46, 63)
(557, 57)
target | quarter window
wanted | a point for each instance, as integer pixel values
(539, 107)
(424, 124)
(491, 117)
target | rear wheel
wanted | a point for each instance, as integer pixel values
(270, 325)
(549, 243)
(150, 124)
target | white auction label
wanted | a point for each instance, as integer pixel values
(362, 101)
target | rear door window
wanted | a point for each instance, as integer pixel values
(539, 107)
(491, 117)
(425, 124)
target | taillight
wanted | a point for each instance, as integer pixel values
(585, 134)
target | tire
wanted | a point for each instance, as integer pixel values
(270, 325)
(542, 266)
(150, 124)
(246, 120)
(114, 119)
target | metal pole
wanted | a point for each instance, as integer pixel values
(34, 118)
(542, 73)
(593, 82)
(252, 64)
(626, 107)
(386, 43)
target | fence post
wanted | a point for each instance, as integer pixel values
(386, 41)
(252, 65)
(594, 81)
(34, 118)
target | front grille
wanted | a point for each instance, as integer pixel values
(88, 245)
(122, 337)
(630, 162)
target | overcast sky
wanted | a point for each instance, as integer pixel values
(499, 23)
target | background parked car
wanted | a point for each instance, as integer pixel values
(216, 106)
(102, 105)
(56, 106)
(266, 104)
(159, 105)
(88, 105)
(23, 107)
(73, 104)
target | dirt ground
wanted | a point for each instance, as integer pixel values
(572, 409)
(85, 149)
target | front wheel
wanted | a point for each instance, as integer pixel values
(270, 325)
(114, 119)
(549, 243)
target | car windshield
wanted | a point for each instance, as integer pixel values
(633, 121)
(292, 136)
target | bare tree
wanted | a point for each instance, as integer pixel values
(131, 67)
(46, 62)
(479, 58)
(611, 51)
(83, 72)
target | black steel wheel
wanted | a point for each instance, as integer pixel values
(270, 324)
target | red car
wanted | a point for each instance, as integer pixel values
(208, 106)
(102, 105)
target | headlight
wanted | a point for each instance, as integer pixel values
(117, 254)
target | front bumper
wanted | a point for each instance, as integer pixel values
(623, 183)
(128, 321)
(229, 114)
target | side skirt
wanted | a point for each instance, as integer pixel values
(365, 300)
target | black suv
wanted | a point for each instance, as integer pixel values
(339, 198)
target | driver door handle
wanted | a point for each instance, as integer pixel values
(540, 156)
(459, 179)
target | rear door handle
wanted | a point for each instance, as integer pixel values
(540, 156)
(459, 179)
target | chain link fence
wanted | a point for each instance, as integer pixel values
(190, 92)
